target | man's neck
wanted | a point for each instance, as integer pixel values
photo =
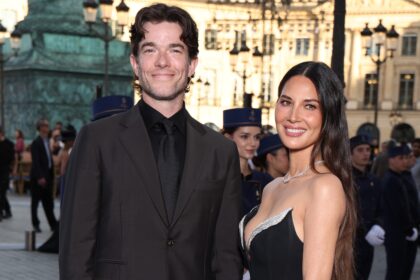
(167, 108)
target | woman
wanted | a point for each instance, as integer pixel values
(19, 149)
(243, 126)
(305, 224)
(272, 156)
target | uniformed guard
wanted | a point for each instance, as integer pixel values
(243, 126)
(413, 199)
(272, 156)
(370, 230)
(398, 221)
(108, 105)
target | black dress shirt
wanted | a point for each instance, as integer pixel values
(152, 119)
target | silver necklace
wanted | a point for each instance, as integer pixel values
(288, 177)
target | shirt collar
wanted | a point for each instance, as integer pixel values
(152, 116)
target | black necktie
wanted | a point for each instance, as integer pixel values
(169, 167)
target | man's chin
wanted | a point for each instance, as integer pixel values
(162, 96)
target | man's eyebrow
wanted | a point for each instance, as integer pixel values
(147, 44)
(176, 45)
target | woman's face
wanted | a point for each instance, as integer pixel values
(247, 139)
(298, 114)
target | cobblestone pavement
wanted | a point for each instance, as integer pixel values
(19, 264)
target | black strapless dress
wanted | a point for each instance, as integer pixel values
(273, 251)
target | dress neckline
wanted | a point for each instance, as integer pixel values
(267, 223)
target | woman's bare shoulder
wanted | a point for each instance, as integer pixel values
(327, 187)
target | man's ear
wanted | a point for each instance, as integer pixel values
(134, 65)
(192, 66)
(269, 157)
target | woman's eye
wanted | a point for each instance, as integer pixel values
(310, 106)
(284, 102)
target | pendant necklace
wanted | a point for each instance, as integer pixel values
(288, 177)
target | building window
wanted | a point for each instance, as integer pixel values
(302, 46)
(210, 40)
(409, 45)
(371, 90)
(268, 44)
(405, 100)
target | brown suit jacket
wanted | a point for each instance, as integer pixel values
(113, 221)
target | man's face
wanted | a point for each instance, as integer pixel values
(410, 161)
(397, 163)
(416, 149)
(163, 65)
(44, 128)
(360, 155)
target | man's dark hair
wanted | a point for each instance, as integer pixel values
(40, 122)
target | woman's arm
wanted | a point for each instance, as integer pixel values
(323, 216)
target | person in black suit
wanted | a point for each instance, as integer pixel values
(42, 177)
(144, 198)
(400, 227)
(7, 154)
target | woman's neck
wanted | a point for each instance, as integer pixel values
(300, 160)
(245, 170)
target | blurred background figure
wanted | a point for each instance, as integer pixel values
(243, 126)
(370, 230)
(42, 177)
(55, 141)
(67, 137)
(272, 156)
(399, 223)
(415, 170)
(380, 162)
(7, 156)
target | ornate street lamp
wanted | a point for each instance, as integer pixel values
(90, 9)
(15, 38)
(379, 45)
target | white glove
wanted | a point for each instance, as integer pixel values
(375, 236)
(246, 276)
(414, 236)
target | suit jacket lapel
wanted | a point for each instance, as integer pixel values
(192, 165)
(136, 142)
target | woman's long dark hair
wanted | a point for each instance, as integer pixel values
(333, 146)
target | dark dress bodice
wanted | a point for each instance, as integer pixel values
(274, 251)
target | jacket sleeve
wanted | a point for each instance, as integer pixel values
(228, 262)
(79, 209)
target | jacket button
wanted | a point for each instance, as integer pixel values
(171, 243)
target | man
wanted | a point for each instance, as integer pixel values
(413, 199)
(42, 177)
(415, 170)
(399, 225)
(7, 154)
(369, 231)
(122, 215)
